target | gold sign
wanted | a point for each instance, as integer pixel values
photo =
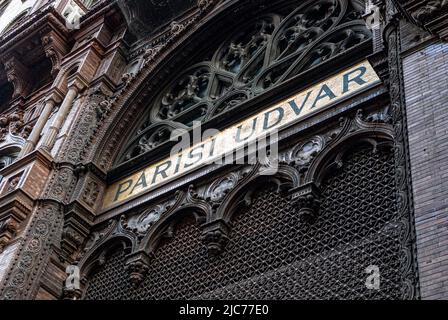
(274, 118)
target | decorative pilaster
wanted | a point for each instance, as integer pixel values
(401, 146)
(75, 86)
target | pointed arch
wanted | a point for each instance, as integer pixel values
(330, 158)
(240, 197)
(164, 228)
(99, 256)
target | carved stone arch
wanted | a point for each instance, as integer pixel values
(99, 256)
(285, 178)
(307, 196)
(165, 226)
(100, 250)
(376, 136)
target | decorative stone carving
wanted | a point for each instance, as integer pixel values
(103, 110)
(94, 116)
(12, 183)
(42, 228)
(140, 224)
(221, 187)
(432, 15)
(137, 265)
(151, 53)
(8, 229)
(91, 192)
(306, 199)
(177, 28)
(429, 10)
(143, 17)
(13, 124)
(302, 155)
(98, 235)
(205, 4)
(375, 117)
(215, 235)
(55, 49)
(401, 148)
(18, 75)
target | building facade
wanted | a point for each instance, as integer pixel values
(100, 198)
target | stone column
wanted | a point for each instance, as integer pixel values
(51, 134)
(33, 139)
(405, 203)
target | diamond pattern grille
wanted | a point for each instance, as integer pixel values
(273, 255)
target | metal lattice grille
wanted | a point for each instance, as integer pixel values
(111, 281)
(273, 255)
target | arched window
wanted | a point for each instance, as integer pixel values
(259, 54)
(7, 156)
(16, 21)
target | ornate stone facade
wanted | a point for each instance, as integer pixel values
(120, 78)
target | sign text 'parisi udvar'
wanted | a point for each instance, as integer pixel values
(274, 118)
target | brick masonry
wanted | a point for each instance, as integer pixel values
(426, 89)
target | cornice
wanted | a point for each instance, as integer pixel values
(430, 15)
(47, 17)
(37, 154)
(107, 7)
(16, 199)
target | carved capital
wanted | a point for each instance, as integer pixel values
(215, 235)
(137, 265)
(306, 200)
